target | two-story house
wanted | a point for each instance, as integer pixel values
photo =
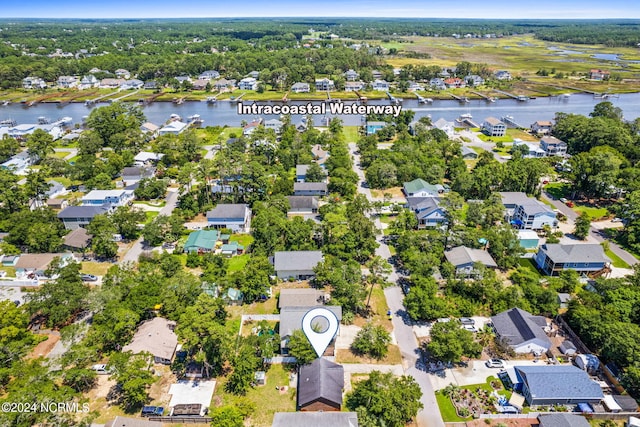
(421, 188)
(493, 127)
(380, 85)
(585, 258)
(427, 211)
(354, 86)
(107, 197)
(325, 85)
(235, 216)
(526, 213)
(209, 75)
(553, 146)
(248, 83)
(541, 127)
(74, 217)
(351, 75)
(300, 87)
(66, 82)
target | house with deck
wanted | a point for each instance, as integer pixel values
(553, 146)
(527, 213)
(585, 258)
(201, 241)
(466, 259)
(325, 85)
(74, 217)
(522, 331)
(300, 87)
(298, 265)
(248, 83)
(597, 74)
(541, 127)
(310, 189)
(556, 385)
(380, 85)
(427, 211)
(302, 205)
(493, 127)
(107, 197)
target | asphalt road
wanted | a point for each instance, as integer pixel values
(138, 247)
(593, 232)
(430, 415)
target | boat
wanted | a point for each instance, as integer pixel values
(174, 117)
(65, 121)
(42, 120)
(8, 122)
(492, 99)
(5, 103)
(565, 96)
(211, 99)
(195, 119)
(428, 100)
(522, 98)
(466, 116)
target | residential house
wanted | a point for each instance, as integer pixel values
(291, 321)
(201, 241)
(19, 163)
(57, 204)
(310, 189)
(274, 124)
(325, 84)
(223, 84)
(587, 258)
(494, 127)
(183, 79)
(150, 85)
(78, 240)
(55, 189)
(255, 74)
(351, 75)
(88, 82)
(502, 75)
(209, 75)
(376, 74)
(315, 419)
(563, 299)
(474, 80)
(155, 336)
(231, 249)
(132, 84)
(301, 172)
(33, 83)
(305, 297)
(20, 132)
(421, 188)
(37, 264)
(300, 87)
(249, 128)
(74, 217)
(427, 211)
(562, 419)
(174, 127)
(541, 127)
(464, 260)
(67, 82)
(445, 126)
(597, 74)
(415, 86)
(353, 86)
(437, 83)
(298, 265)
(526, 213)
(320, 386)
(133, 175)
(248, 83)
(553, 146)
(380, 85)
(107, 197)
(150, 129)
(374, 126)
(109, 83)
(302, 205)
(557, 385)
(236, 217)
(454, 82)
(121, 73)
(120, 421)
(468, 153)
(532, 151)
(524, 332)
(233, 296)
(146, 157)
(200, 84)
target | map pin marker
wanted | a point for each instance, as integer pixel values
(320, 340)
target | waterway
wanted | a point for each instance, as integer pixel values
(225, 112)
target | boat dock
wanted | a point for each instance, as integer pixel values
(149, 100)
(361, 98)
(329, 99)
(46, 97)
(212, 99)
(423, 100)
(76, 96)
(462, 99)
(468, 122)
(511, 95)
(484, 96)
(285, 98)
(90, 102)
(577, 89)
(511, 123)
(125, 96)
(393, 99)
(238, 98)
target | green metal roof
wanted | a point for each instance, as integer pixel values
(417, 185)
(201, 239)
(232, 246)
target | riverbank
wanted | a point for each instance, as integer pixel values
(529, 88)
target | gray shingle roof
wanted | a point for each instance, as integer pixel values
(518, 326)
(579, 253)
(230, 210)
(321, 379)
(296, 260)
(291, 318)
(302, 169)
(310, 186)
(532, 206)
(303, 202)
(82, 211)
(315, 419)
(423, 206)
(562, 420)
(513, 198)
(305, 297)
(461, 255)
(560, 382)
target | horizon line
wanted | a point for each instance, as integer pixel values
(319, 17)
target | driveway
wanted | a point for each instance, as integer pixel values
(430, 415)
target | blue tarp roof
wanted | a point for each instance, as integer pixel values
(585, 407)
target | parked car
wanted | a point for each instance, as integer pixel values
(467, 321)
(563, 200)
(508, 409)
(616, 219)
(495, 363)
(152, 411)
(569, 204)
(101, 369)
(470, 328)
(389, 315)
(88, 278)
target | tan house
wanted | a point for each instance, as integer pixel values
(155, 336)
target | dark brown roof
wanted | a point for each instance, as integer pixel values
(78, 238)
(321, 380)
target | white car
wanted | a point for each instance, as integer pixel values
(470, 328)
(101, 369)
(494, 363)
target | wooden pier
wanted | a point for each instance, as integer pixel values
(361, 98)
(484, 96)
(461, 99)
(238, 98)
(90, 102)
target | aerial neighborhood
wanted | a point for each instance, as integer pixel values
(163, 259)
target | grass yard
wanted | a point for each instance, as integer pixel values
(11, 271)
(351, 133)
(616, 260)
(95, 268)
(530, 264)
(237, 263)
(151, 215)
(557, 190)
(244, 239)
(448, 411)
(266, 400)
(593, 212)
(393, 357)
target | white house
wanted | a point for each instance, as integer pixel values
(33, 83)
(66, 82)
(248, 83)
(524, 332)
(445, 126)
(107, 197)
(209, 75)
(494, 127)
(380, 85)
(325, 84)
(237, 217)
(300, 87)
(296, 264)
(173, 128)
(88, 82)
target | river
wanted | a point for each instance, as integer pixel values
(225, 112)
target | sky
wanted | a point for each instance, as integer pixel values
(502, 9)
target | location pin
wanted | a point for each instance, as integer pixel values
(320, 340)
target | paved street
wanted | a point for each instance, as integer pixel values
(429, 416)
(138, 246)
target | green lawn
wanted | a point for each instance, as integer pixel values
(447, 410)
(557, 189)
(244, 239)
(530, 264)
(150, 216)
(616, 260)
(237, 263)
(351, 133)
(593, 212)
(266, 399)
